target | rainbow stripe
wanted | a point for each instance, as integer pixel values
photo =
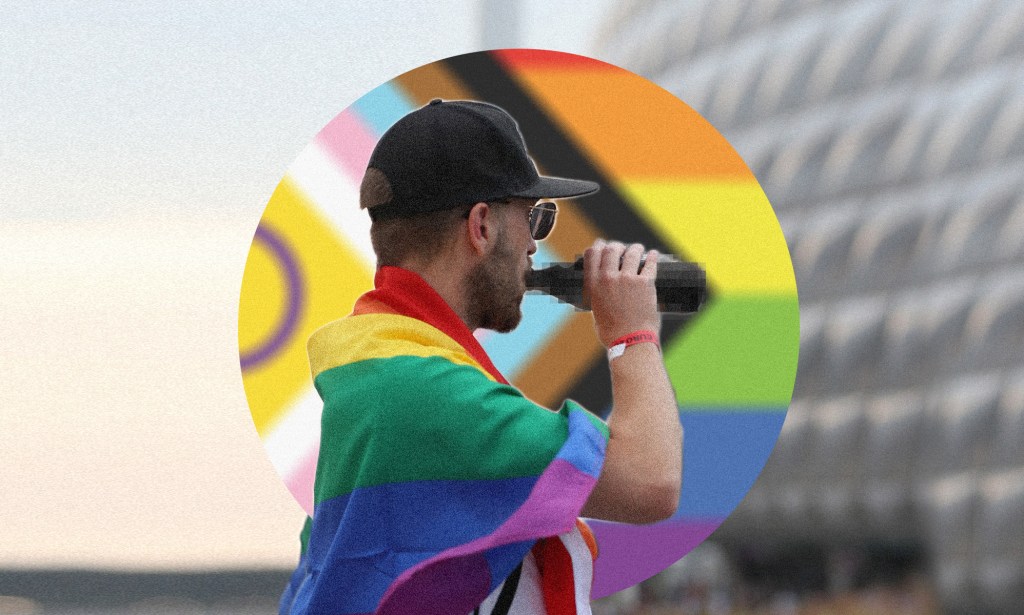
(435, 477)
(669, 180)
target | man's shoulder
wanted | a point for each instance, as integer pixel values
(391, 338)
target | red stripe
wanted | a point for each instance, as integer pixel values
(556, 579)
(400, 291)
(542, 58)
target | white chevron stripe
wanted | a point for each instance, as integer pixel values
(336, 196)
(297, 433)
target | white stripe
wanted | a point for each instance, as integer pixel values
(582, 568)
(529, 598)
(336, 196)
(298, 432)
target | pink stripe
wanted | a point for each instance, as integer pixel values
(551, 509)
(300, 481)
(348, 142)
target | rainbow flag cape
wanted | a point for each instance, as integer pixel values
(435, 477)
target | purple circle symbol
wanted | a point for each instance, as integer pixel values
(294, 284)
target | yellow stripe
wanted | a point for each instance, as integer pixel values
(334, 275)
(381, 336)
(728, 227)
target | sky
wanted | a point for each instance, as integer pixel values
(116, 107)
(138, 146)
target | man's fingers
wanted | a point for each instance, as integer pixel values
(650, 269)
(591, 266)
(611, 256)
(631, 259)
(592, 259)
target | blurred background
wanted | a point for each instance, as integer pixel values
(140, 144)
(889, 137)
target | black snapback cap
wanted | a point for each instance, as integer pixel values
(447, 154)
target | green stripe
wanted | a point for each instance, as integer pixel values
(307, 528)
(411, 418)
(740, 351)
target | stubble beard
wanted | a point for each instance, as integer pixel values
(495, 293)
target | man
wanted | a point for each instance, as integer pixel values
(439, 487)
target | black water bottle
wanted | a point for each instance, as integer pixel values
(681, 286)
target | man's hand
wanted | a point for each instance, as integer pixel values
(642, 472)
(621, 294)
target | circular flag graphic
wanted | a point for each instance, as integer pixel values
(668, 180)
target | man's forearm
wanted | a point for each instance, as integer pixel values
(642, 473)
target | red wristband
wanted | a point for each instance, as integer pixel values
(637, 337)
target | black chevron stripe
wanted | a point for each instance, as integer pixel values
(555, 151)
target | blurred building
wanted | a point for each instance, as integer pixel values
(889, 137)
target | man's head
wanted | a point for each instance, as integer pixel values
(453, 153)
(495, 285)
(450, 189)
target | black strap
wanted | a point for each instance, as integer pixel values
(508, 591)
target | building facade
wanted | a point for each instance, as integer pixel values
(889, 137)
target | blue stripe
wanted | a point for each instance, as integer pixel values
(351, 547)
(543, 317)
(585, 448)
(723, 453)
(382, 106)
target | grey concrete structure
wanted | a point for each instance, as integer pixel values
(889, 137)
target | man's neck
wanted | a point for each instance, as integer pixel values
(446, 282)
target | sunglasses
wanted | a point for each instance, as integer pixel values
(541, 217)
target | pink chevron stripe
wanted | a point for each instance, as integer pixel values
(347, 140)
(300, 481)
(551, 509)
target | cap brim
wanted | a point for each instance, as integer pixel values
(558, 188)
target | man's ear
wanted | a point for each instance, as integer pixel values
(480, 228)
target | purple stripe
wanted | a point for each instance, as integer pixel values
(551, 509)
(287, 326)
(628, 554)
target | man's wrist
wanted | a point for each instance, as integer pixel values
(620, 344)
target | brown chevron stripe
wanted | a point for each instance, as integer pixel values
(432, 81)
(566, 357)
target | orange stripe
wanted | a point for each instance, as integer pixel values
(630, 127)
(588, 537)
(556, 579)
